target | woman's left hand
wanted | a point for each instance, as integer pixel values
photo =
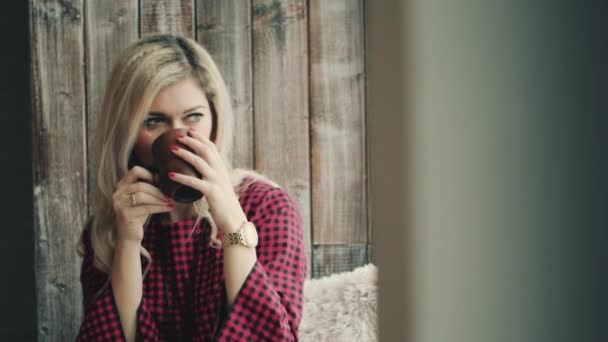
(215, 185)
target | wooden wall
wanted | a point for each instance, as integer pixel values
(296, 71)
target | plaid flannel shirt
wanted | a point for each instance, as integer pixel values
(184, 295)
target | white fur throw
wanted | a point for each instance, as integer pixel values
(341, 307)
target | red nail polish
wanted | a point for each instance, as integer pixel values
(180, 135)
(174, 148)
(172, 174)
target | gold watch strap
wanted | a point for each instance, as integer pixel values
(236, 238)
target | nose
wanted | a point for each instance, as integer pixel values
(177, 124)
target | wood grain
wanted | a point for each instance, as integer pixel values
(224, 28)
(280, 92)
(337, 76)
(110, 28)
(331, 259)
(60, 175)
(167, 16)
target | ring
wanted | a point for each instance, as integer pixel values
(132, 199)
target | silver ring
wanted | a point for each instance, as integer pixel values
(132, 199)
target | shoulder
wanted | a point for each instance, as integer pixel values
(259, 191)
(267, 200)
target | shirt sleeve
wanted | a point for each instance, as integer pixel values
(268, 307)
(101, 319)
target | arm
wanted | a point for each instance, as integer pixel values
(238, 261)
(268, 306)
(102, 321)
(127, 284)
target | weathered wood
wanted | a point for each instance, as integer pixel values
(371, 254)
(60, 179)
(111, 27)
(280, 92)
(224, 28)
(330, 259)
(167, 16)
(337, 79)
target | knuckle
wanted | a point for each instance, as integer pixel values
(139, 186)
(198, 164)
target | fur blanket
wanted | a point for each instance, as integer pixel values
(341, 307)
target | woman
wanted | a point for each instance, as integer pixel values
(196, 285)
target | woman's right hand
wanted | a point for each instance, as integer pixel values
(149, 200)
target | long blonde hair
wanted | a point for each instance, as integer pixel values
(140, 72)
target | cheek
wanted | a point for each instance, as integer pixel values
(143, 144)
(206, 126)
(143, 140)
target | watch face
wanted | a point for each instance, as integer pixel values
(251, 234)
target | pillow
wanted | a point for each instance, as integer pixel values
(341, 307)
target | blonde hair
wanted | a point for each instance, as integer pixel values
(140, 72)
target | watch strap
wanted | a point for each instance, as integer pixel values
(237, 238)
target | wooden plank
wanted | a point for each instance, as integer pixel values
(371, 253)
(337, 76)
(224, 28)
(369, 194)
(167, 16)
(60, 201)
(110, 28)
(280, 92)
(330, 259)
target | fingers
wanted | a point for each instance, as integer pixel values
(143, 198)
(144, 188)
(202, 147)
(149, 209)
(199, 163)
(135, 173)
(203, 186)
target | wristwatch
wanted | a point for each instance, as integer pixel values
(247, 236)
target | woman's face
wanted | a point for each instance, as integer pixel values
(182, 105)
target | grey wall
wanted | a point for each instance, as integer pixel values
(504, 184)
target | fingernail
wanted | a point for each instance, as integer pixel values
(174, 148)
(172, 174)
(180, 135)
(192, 129)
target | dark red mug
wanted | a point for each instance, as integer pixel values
(166, 161)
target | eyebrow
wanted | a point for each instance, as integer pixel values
(184, 112)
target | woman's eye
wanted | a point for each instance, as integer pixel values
(154, 121)
(195, 116)
(151, 121)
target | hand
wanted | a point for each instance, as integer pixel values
(215, 185)
(149, 199)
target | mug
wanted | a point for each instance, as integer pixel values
(166, 161)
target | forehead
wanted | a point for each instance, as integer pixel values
(178, 97)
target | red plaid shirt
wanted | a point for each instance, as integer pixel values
(184, 295)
